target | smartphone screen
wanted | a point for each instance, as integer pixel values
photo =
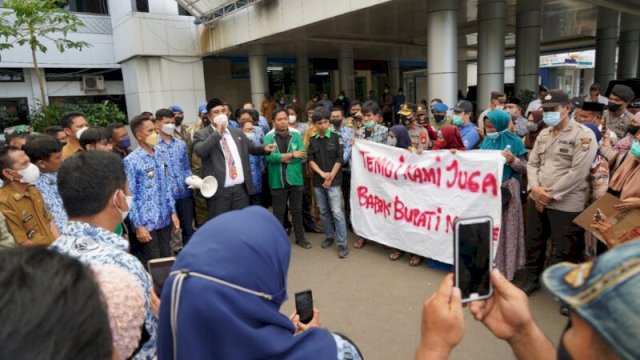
(304, 306)
(159, 270)
(472, 259)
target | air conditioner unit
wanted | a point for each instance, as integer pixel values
(92, 83)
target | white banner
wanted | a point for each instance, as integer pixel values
(410, 201)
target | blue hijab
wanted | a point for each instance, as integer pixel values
(500, 120)
(402, 134)
(215, 321)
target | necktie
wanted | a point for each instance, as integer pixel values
(231, 164)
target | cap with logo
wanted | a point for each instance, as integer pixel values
(576, 102)
(605, 293)
(499, 95)
(420, 110)
(554, 97)
(463, 106)
(405, 110)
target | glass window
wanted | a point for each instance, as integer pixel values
(11, 75)
(141, 5)
(13, 111)
(88, 6)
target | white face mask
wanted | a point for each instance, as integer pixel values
(30, 174)
(500, 107)
(129, 200)
(168, 129)
(292, 119)
(221, 119)
(80, 131)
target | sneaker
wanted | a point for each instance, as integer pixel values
(327, 242)
(342, 251)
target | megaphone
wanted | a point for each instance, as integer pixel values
(208, 186)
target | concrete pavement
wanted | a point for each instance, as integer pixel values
(378, 303)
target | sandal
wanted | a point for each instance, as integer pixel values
(395, 255)
(304, 244)
(415, 260)
(359, 243)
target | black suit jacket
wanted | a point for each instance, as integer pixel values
(206, 144)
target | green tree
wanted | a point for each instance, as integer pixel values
(35, 23)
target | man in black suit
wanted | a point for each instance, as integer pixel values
(225, 155)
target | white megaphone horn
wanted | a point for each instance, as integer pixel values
(208, 186)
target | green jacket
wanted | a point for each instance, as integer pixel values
(274, 160)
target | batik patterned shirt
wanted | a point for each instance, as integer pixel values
(93, 246)
(150, 185)
(47, 184)
(179, 166)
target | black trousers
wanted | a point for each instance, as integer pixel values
(346, 192)
(158, 247)
(227, 199)
(293, 195)
(185, 211)
(567, 239)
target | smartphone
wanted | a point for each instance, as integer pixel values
(304, 306)
(473, 257)
(160, 270)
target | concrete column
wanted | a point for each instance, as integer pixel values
(491, 33)
(302, 77)
(258, 74)
(629, 46)
(528, 29)
(345, 66)
(442, 50)
(394, 72)
(606, 42)
(462, 70)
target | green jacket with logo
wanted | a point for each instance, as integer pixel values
(274, 159)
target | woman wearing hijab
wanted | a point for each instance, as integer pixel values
(448, 138)
(511, 247)
(534, 126)
(625, 181)
(617, 153)
(223, 297)
(399, 137)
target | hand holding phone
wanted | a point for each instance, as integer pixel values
(160, 270)
(473, 257)
(304, 306)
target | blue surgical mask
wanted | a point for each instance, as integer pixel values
(551, 118)
(370, 124)
(635, 149)
(124, 143)
(457, 120)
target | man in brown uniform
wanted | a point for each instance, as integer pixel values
(557, 173)
(617, 118)
(73, 124)
(26, 214)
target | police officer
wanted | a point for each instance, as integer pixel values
(557, 172)
(617, 117)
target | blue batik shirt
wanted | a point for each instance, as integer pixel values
(347, 134)
(93, 246)
(150, 185)
(179, 166)
(47, 184)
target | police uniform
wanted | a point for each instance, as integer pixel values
(618, 124)
(26, 215)
(562, 163)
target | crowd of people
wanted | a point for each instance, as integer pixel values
(81, 195)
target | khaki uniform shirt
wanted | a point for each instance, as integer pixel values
(620, 123)
(26, 215)
(70, 149)
(562, 162)
(6, 239)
